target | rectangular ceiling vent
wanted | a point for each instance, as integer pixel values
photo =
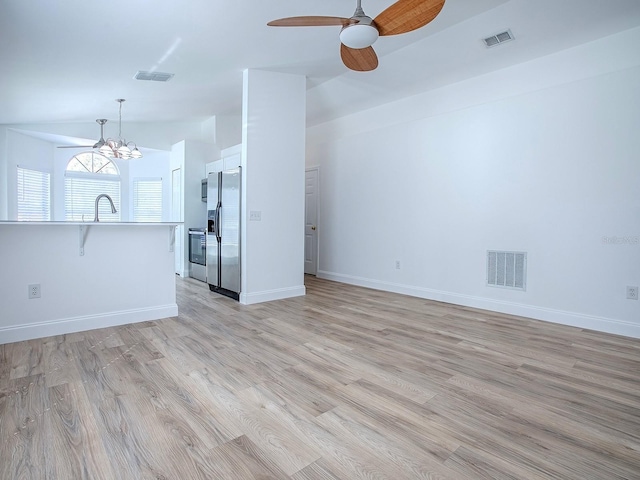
(498, 38)
(153, 76)
(507, 269)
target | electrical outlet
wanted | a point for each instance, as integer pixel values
(34, 290)
(632, 293)
(397, 264)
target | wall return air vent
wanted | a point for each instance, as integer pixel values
(498, 38)
(153, 76)
(507, 269)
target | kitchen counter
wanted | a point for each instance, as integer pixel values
(150, 224)
(90, 274)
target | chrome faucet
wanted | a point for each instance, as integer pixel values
(113, 207)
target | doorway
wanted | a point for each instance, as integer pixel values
(311, 193)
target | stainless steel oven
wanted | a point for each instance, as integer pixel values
(198, 254)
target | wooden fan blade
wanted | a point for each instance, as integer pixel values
(311, 21)
(360, 60)
(407, 15)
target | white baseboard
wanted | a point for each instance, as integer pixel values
(270, 295)
(601, 324)
(18, 333)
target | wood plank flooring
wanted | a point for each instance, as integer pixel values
(345, 383)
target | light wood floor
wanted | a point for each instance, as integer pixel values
(344, 383)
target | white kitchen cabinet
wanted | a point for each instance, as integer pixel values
(229, 158)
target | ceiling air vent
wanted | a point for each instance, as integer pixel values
(153, 76)
(498, 38)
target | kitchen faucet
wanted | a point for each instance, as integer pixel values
(113, 208)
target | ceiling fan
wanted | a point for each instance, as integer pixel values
(112, 148)
(99, 143)
(359, 32)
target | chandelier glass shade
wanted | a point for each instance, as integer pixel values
(120, 148)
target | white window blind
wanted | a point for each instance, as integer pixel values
(81, 191)
(147, 200)
(34, 199)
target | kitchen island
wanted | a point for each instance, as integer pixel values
(88, 275)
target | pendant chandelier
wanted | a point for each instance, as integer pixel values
(119, 148)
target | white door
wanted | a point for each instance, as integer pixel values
(176, 215)
(311, 221)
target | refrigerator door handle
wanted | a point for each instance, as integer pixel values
(218, 207)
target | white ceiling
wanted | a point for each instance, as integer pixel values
(67, 61)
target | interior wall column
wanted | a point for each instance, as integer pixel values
(273, 161)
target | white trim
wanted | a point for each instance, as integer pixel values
(579, 320)
(18, 333)
(270, 295)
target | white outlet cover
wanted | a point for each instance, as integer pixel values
(34, 291)
(632, 293)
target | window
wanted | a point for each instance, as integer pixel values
(34, 199)
(88, 175)
(147, 200)
(90, 162)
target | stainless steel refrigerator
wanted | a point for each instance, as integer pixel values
(223, 232)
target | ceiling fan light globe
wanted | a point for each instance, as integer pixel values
(359, 36)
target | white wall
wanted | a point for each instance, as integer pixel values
(228, 130)
(273, 147)
(541, 157)
(225, 130)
